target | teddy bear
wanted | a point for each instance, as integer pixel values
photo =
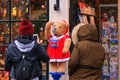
(57, 34)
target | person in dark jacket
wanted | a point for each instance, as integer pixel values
(87, 55)
(25, 43)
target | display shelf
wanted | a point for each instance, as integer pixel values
(86, 13)
(109, 40)
(86, 9)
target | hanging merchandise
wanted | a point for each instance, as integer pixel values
(4, 12)
(109, 40)
(19, 13)
(83, 19)
(86, 13)
(86, 9)
(92, 20)
(14, 11)
(92, 11)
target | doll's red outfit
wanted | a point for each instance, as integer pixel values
(55, 53)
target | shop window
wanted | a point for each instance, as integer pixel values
(4, 10)
(2, 57)
(15, 29)
(109, 1)
(39, 30)
(3, 74)
(38, 9)
(4, 33)
(11, 14)
(19, 9)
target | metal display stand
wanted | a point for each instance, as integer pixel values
(108, 29)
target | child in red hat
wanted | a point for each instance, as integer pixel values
(24, 55)
(26, 28)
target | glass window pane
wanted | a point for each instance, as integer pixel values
(2, 56)
(19, 9)
(38, 9)
(4, 33)
(4, 10)
(44, 69)
(39, 29)
(4, 75)
(15, 28)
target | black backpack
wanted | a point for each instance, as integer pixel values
(24, 67)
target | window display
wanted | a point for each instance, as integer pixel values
(109, 40)
(19, 9)
(4, 10)
(15, 27)
(38, 9)
(39, 29)
(11, 14)
(86, 13)
(4, 33)
(4, 75)
(2, 56)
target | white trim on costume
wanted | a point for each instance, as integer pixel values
(59, 60)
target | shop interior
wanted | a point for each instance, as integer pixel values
(11, 13)
(102, 13)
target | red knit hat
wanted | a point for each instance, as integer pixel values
(26, 28)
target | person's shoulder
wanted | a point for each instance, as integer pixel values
(11, 45)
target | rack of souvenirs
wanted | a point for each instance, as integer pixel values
(86, 13)
(109, 40)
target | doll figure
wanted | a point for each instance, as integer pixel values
(59, 43)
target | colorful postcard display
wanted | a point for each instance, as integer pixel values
(109, 40)
(86, 13)
(86, 9)
(83, 19)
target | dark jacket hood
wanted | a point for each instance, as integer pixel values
(25, 43)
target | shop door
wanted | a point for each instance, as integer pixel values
(109, 39)
(11, 14)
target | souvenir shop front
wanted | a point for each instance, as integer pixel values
(11, 13)
(104, 15)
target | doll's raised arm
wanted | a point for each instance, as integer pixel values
(48, 30)
(66, 47)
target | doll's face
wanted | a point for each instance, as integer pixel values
(59, 28)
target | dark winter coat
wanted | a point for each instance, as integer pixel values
(25, 44)
(87, 56)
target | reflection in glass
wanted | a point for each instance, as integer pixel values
(39, 29)
(4, 33)
(2, 56)
(4, 75)
(15, 28)
(38, 9)
(19, 9)
(4, 9)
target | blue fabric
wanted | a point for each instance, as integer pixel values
(56, 75)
